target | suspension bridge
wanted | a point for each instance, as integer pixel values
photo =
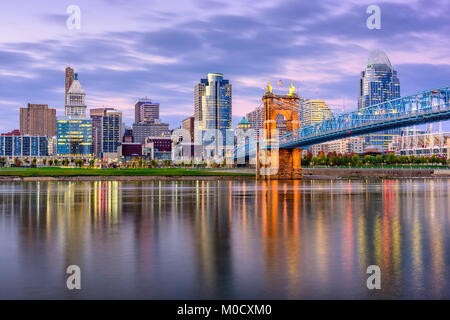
(424, 107)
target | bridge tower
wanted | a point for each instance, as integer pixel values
(279, 163)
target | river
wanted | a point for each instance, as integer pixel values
(225, 239)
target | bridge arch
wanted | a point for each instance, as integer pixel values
(280, 163)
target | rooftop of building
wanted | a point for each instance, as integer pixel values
(378, 57)
(67, 118)
(76, 87)
(243, 121)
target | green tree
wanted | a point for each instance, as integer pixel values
(17, 162)
(322, 159)
(315, 161)
(331, 158)
(33, 162)
(368, 159)
(154, 163)
(306, 160)
(91, 163)
(56, 162)
(433, 159)
(44, 161)
(378, 159)
(50, 162)
(391, 159)
(355, 160)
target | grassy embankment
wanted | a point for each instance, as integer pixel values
(58, 172)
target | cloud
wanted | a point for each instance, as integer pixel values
(160, 49)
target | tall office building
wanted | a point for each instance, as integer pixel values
(38, 119)
(216, 103)
(199, 92)
(74, 137)
(216, 106)
(111, 133)
(256, 120)
(313, 111)
(97, 115)
(76, 100)
(146, 111)
(378, 83)
(70, 76)
(188, 125)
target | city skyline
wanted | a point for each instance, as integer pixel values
(323, 60)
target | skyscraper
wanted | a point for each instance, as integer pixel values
(199, 92)
(146, 111)
(76, 100)
(38, 119)
(313, 111)
(216, 106)
(97, 115)
(69, 79)
(378, 83)
(111, 133)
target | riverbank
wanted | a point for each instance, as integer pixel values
(156, 174)
(77, 174)
(344, 173)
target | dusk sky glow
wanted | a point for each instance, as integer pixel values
(128, 49)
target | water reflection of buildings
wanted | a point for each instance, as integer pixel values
(241, 239)
(57, 221)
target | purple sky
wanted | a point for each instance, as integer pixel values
(127, 49)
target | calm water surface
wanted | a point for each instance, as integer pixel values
(225, 239)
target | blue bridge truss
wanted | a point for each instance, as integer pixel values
(420, 108)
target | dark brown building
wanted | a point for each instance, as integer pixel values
(69, 79)
(38, 119)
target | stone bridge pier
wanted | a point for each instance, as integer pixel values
(273, 162)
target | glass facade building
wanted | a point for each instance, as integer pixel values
(23, 146)
(216, 106)
(378, 83)
(111, 131)
(146, 111)
(74, 137)
(313, 111)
